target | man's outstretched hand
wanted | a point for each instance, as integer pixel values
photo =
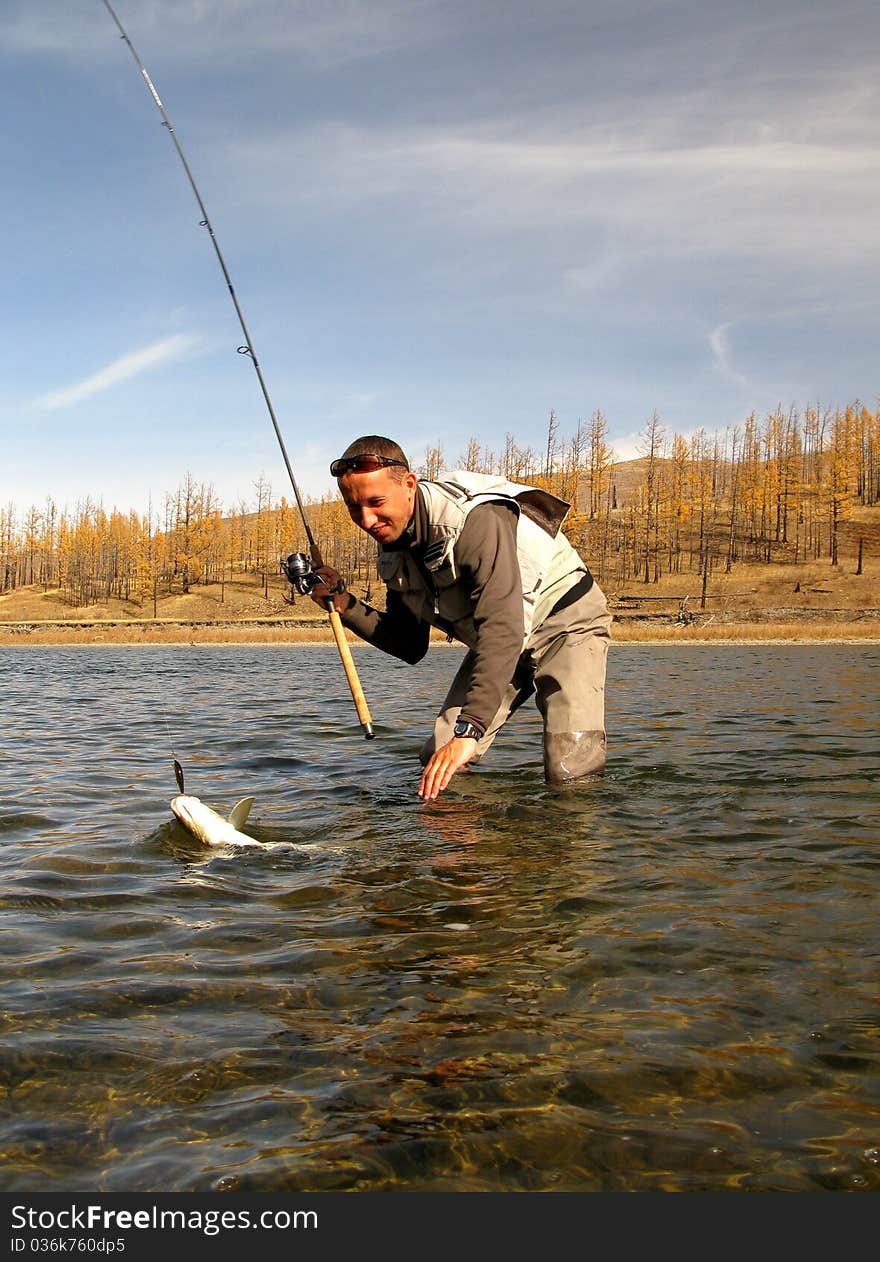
(444, 763)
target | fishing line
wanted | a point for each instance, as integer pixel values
(178, 770)
(248, 350)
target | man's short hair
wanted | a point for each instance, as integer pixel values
(377, 445)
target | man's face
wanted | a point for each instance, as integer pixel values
(378, 503)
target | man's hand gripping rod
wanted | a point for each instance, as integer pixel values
(342, 644)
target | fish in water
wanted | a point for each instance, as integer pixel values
(210, 828)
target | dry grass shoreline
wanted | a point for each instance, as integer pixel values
(806, 603)
(624, 631)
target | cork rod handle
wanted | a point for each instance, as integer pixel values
(350, 669)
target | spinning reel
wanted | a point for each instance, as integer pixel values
(301, 574)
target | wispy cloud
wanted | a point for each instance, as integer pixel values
(122, 369)
(808, 203)
(333, 33)
(719, 343)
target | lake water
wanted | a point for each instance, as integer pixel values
(666, 980)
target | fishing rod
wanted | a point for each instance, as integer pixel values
(342, 644)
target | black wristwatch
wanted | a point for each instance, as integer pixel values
(464, 728)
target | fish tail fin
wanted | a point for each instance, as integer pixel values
(239, 813)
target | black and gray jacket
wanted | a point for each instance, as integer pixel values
(484, 560)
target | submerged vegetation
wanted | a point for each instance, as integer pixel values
(790, 490)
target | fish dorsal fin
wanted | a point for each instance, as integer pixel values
(239, 813)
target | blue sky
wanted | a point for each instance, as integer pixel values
(442, 218)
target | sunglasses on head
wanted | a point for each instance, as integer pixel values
(362, 464)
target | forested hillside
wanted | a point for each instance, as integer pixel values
(789, 488)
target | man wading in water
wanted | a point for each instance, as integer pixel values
(484, 560)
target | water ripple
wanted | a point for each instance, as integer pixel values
(664, 981)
